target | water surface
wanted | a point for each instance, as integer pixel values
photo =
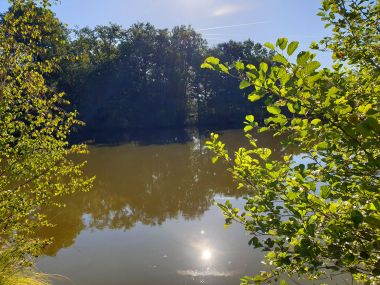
(151, 218)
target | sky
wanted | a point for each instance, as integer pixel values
(218, 20)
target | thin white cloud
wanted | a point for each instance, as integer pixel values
(216, 34)
(226, 10)
(216, 39)
(232, 26)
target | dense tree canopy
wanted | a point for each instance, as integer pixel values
(317, 214)
(144, 77)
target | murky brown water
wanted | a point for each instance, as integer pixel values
(151, 220)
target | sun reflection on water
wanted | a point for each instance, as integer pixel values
(206, 254)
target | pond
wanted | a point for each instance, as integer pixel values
(151, 218)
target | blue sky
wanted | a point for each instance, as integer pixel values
(217, 20)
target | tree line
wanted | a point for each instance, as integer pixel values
(144, 77)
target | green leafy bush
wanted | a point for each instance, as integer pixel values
(318, 215)
(34, 153)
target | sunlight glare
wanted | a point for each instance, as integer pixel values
(206, 254)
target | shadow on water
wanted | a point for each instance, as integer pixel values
(140, 137)
(162, 137)
(143, 137)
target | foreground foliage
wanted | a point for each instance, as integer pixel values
(317, 214)
(34, 163)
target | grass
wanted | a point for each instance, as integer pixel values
(14, 272)
(30, 278)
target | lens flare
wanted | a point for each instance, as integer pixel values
(206, 254)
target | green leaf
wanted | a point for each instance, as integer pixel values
(283, 76)
(251, 67)
(271, 255)
(239, 66)
(207, 66)
(315, 122)
(265, 153)
(254, 242)
(372, 124)
(244, 84)
(250, 118)
(280, 58)
(253, 97)
(279, 119)
(375, 206)
(291, 107)
(223, 68)
(212, 60)
(292, 47)
(281, 43)
(325, 191)
(263, 129)
(326, 5)
(269, 45)
(258, 278)
(373, 220)
(264, 67)
(252, 75)
(322, 146)
(274, 110)
(364, 108)
(311, 67)
(357, 217)
(248, 128)
(332, 91)
(314, 45)
(302, 58)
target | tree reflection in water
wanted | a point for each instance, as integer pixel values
(145, 183)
